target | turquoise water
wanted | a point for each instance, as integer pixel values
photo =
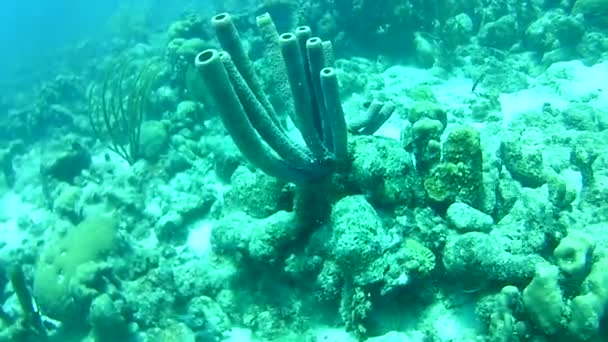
(307, 171)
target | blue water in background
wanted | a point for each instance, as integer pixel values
(34, 29)
(33, 32)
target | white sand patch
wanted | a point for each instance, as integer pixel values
(395, 336)
(325, 334)
(9, 232)
(580, 82)
(239, 335)
(452, 323)
(561, 84)
(454, 92)
(574, 180)
(150, 242)
(399, 78)
(450, 327)
(328, 334)
(12, 210)
(107, 156)
(529, 100)
(390, 129)
(200, 235)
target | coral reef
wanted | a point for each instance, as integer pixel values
(398, 171)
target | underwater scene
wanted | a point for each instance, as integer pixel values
(304, 171)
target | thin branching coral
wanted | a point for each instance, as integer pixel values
(118, 105)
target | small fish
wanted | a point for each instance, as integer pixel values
(476, 82)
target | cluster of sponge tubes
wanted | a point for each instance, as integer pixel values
(316, 109)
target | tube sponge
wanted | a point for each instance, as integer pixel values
(335, 115)
(295, 64)
(252, 121)
(212, 63)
